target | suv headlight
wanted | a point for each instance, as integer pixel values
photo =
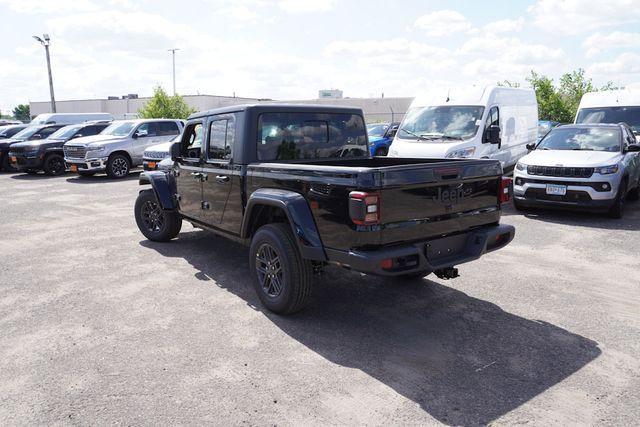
(95, 149)
(607, 170)
(521, 166)
(461, 154)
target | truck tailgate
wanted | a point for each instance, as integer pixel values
(421, 201)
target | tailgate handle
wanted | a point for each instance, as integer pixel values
(448, 173)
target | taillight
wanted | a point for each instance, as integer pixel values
(504, 191)
(364, 208)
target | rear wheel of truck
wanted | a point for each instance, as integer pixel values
(118, 166)
(54, 165)
(281, 277)
(155, 223)
(6, 165)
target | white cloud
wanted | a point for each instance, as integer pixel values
(306, 6)
(443, 22)
(47, 7)
(504, 26)
(600, 42)
(571, 17)
(624, 64)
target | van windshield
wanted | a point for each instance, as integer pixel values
(628, 115)
(118, 129)
(441, 122)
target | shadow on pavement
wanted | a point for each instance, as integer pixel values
(464, 360)
(630, 221)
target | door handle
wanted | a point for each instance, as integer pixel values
(222, 178)
(197, 175)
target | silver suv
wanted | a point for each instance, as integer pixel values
(119, 147)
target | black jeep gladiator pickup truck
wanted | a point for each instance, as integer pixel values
(297, 184)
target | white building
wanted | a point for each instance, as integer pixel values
(375, 109)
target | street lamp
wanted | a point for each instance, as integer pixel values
(46, 42)
(173, 51)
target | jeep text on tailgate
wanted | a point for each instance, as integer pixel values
(297, 184)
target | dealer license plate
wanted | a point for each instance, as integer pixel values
(74, 168)
(556, 190)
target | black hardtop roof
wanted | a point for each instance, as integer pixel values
(278, 107)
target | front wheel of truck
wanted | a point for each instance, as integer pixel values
(281, 277)
(155, 223)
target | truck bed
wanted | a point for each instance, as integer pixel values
(420, 198)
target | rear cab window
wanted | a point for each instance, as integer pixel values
(295, 136)
(167, 128)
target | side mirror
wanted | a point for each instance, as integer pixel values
(392, 133)
(135, 135)
(493, 134)
(175, 151)
(633, 148)
(36, 136)
(531, 146)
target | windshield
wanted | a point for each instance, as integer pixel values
(628, 115)
(377, 129)
(27, 132)
(583, 139)
(118, 129)
(8, 131)
(65, 132)
(456, 122)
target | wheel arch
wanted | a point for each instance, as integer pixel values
(163, 185)
(125, 153)
(267, 206)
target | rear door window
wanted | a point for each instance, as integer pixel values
(168, 128)
(292, 136)
(221, 137)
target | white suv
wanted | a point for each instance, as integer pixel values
(119, 147)
(586, 166)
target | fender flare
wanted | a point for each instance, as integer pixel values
(299, 214)
(164, 185)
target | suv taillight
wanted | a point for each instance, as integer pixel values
(504, 191)
(364, 208)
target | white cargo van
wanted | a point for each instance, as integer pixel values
(69, 118)
(492, 122)
(611, 106)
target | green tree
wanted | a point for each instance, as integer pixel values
(22, 112)
(551, 105)
(572, 86)
(163, 106)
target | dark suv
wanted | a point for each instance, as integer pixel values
(29, 133)
(46, 154)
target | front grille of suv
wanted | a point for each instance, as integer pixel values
(74, 152)
(567, 172)
(155, 155)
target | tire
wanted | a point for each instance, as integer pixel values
(118, 166)
(54, 165)
(617, 210)
(274, 253)
(6, 165)
(85, 174)
(382, 151)
(31, 172)
(635, 193)
(156, 224)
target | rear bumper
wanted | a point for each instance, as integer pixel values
(428, 255)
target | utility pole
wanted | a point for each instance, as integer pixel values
(173, 52)
(46, 42)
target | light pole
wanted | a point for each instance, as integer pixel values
(46, 42)
(173, 52)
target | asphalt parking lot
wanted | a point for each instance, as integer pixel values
(98, 325)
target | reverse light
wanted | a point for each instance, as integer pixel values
(461, 154)
(607, 170)
(364, 208)
(504, 190)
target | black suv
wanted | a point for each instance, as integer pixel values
(29, 133)
(47, 154)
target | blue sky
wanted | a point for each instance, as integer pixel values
(288, 49)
